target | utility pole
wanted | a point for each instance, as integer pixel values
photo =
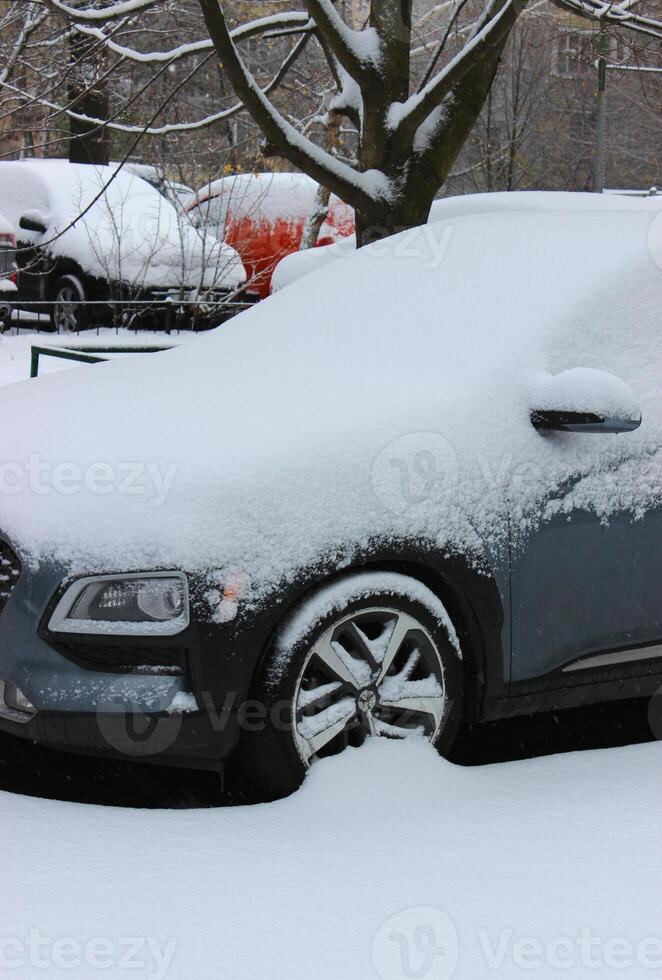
(601, 128)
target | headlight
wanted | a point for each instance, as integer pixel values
(126, 605)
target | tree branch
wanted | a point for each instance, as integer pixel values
(297, 20)
(441, 45)
(234, 110)
(417, 108)
(350, 47)
(103, 13)
(616, 13)
(359, 189)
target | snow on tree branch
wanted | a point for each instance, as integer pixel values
(296, 20)
(624, 14)
(168, 128)
(406, 118)
(357, 51)
(103, 13)
(363, 188)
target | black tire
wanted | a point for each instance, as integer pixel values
(5, 315)
(270, 752)
(66, 315)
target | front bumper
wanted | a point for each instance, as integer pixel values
(160, 738)
(141, 711)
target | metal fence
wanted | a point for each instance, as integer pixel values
(88, 354)
(138, 316)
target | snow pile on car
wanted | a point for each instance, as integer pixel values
(299, 264)
(394, 404)
(115, 225)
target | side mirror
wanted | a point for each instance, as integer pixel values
(32, 221)
(584, 400)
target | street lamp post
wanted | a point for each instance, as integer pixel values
(603, 67)
(601, 135)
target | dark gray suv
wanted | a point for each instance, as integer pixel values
(430, 495)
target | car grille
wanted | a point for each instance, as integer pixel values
(111, 659)
(10, 572)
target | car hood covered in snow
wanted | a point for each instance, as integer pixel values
(127, 231)
(325, 418)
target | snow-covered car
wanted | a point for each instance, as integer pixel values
(299, 264)
(441, 502)
(97, 234)
(7, 270)
(175, 191)
(263, 217)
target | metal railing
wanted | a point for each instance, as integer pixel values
(138, 316)
(87, 354)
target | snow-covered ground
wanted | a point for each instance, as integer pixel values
(389, 864)
(15, 348)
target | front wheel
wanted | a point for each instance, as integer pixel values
(373, 656)
(68, 312)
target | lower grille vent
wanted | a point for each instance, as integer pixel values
(10, 572)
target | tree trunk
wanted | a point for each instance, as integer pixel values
(320, 210)
(88, 94)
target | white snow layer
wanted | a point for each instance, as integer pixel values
(389, 863)
(395, 403)
(131, 234)
(299, 264)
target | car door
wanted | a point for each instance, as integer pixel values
(33, 271)
(586, 580)
(583, 588)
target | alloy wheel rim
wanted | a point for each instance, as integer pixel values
(67, 302)
(374, 673)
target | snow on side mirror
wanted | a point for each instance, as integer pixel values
(584, 400)
(33, 221)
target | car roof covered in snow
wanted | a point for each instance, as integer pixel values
(272, 196)
(439, 342)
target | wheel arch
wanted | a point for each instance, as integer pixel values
(471, 598)
(65, 267)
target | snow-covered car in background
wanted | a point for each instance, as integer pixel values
(175, 191)
(438, 500)
(263, 217)
(295, 266)
(102, 235)
(7, 270)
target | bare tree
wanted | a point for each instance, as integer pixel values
(410, 83)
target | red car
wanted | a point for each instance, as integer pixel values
(263, 216)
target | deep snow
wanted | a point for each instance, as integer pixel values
(390, 863)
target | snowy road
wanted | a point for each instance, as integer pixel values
(390, 863)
